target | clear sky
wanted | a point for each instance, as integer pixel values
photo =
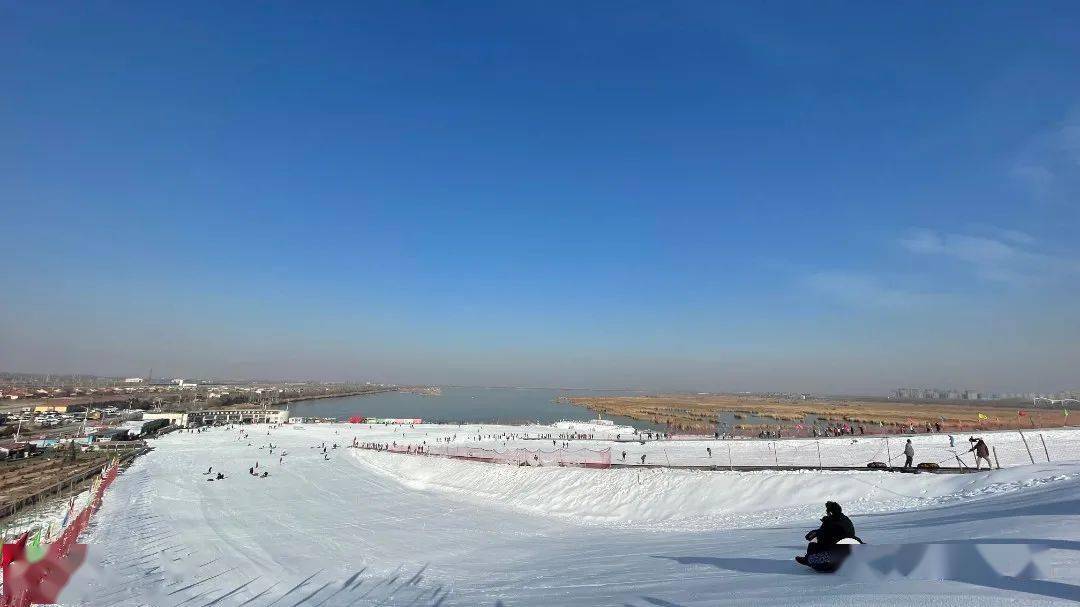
(840, 197)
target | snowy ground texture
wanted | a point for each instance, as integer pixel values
(375, 528)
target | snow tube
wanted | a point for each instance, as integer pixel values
(827, 559)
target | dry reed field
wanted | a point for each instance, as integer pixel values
(698, 413)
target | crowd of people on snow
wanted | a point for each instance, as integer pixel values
(837, 430)
(978, 446)
(830, 429)
(270, 447)
(420, 449)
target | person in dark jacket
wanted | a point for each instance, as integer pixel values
(981, 451)
(835, 526)
(909, 453)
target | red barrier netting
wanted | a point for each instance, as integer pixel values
(41, 581)
(584, 458)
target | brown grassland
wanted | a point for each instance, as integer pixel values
(697, 413)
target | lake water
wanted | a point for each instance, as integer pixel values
(503, 405)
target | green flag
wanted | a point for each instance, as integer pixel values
(34, 550)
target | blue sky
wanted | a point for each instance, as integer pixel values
(839, 197)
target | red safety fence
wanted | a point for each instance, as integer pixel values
(584, 458)
(41, 581)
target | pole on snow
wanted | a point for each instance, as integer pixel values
(818, 454)
(995, 458)
(1044, 447)
(1026, 446)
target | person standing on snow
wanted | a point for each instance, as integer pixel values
(982, 452)
(909, 453)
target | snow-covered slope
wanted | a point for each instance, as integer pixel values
(691, 500)
(371, 528)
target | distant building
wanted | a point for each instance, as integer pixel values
(51, 409)
(134, 380)
(313, 420)
(934, 394)
(392, 420)
(174, 418)
(239, 416)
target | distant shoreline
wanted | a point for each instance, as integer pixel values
(300, 399)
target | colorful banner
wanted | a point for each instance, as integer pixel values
(393, 420)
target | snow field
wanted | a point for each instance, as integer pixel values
(376, 528)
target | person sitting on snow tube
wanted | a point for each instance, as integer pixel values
(826, 552)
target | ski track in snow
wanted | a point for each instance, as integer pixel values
(376, 528)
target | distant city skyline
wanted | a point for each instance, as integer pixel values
(903, 393)
(832, 198)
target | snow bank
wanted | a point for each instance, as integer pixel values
(665, 499)
(1009, 448)
(597, 428)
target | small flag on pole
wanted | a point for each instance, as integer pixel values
(981, 416)
(34, 550)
